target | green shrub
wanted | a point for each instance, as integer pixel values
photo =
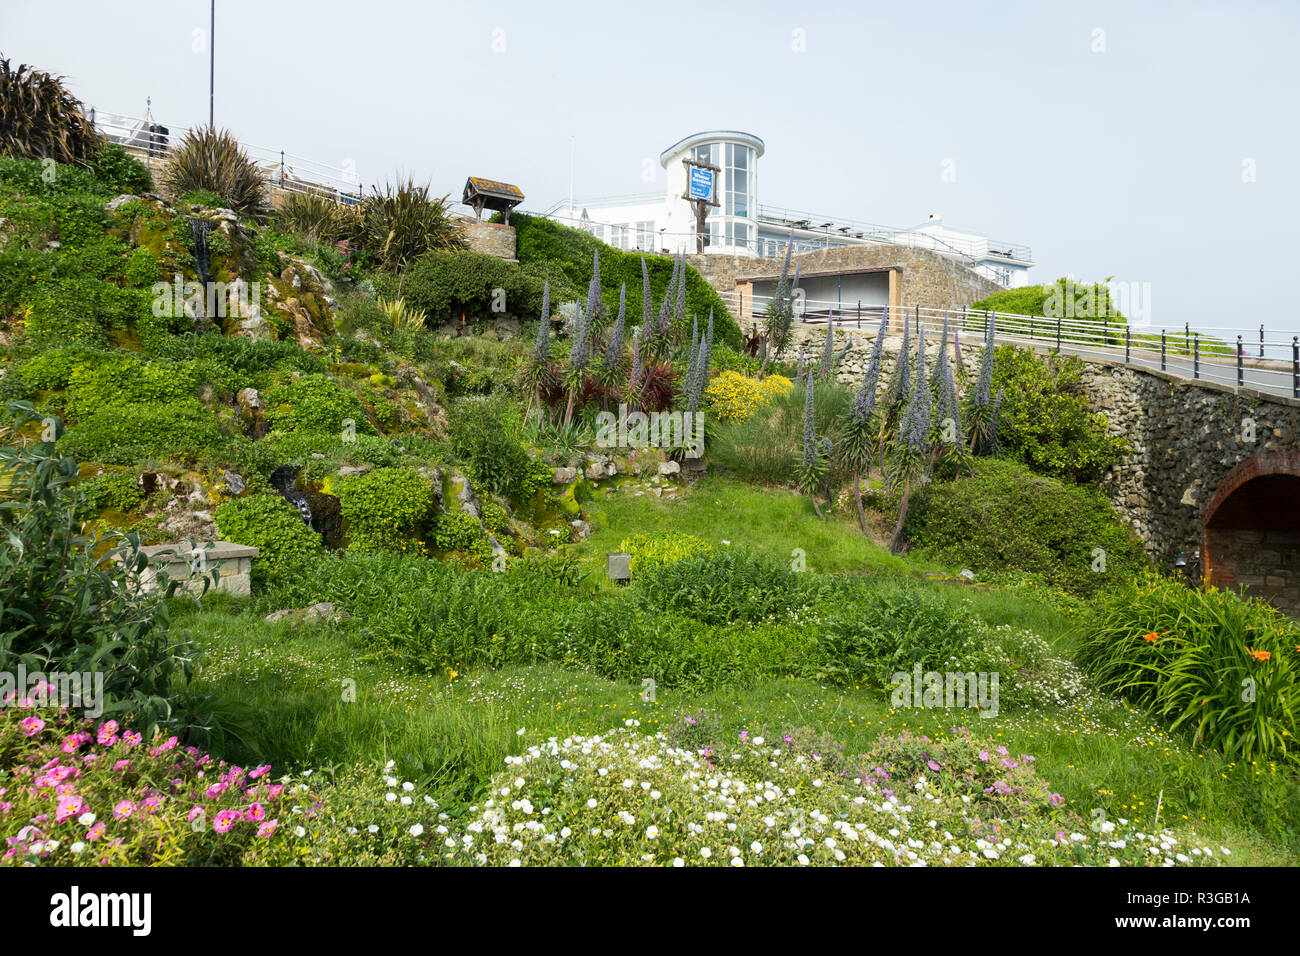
(103, 258)
(460, 531)
(273, 526)
(53, 368)
(123, 434)
(123, 378)
(889, 630)
(81, 311)
(81, 220)
(1045, 421)
(653, 549)
(116, 490)
(452, 284)
(314, 403)
(495, 518)
(386, 509)
(1224, 669)
(724, 587)
(69, 601)
(486, 434)
(142, 268)
(1005, 518)
(118, 172)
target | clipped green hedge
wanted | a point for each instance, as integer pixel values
(542, 240)
(456, 283)
(1005, 518)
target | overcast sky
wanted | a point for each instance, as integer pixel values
(1152, 142)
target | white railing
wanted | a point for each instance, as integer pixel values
(283, 170)
(1265, 361)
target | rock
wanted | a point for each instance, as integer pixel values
(968, 574)
(667, 468)
(465, 495)
(564, 476)
(347, 470)
(595, 471)
(324, 611)
(117, 202)
(234, 483)
(581, 527)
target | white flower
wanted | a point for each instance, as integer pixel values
(372, 828)
(678, 861)
(591, 804)
(77, 847)
(390, 797)
(416, 830)
(408, 786)
(705, 852)
(299, 832)
(86, 819)
(652, 832)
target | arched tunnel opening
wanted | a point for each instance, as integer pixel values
(1251, 540)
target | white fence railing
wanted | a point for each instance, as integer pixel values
(1266, 361)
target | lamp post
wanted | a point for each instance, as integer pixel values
(212, 64)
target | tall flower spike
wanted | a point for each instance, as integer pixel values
(680, 312)
(542, 346)
(828, 351)
(614, 351)
(809, 422)
(647, 305)
(593, 291)
(864, 402)
(918, 418)
(634, 382)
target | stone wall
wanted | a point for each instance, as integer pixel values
(918, 276)
(233, 562)
(1191, 452)
(491, 238)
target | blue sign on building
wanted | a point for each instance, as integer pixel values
(701, 184)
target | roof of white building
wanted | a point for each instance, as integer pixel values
(712, 136)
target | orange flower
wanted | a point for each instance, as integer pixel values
(1151, 638)
(1259, 655)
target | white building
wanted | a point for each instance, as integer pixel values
(740, 225)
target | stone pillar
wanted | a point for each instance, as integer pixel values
(491, 238)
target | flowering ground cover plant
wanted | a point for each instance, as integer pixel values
(630, 799)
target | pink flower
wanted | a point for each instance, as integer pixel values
(131, 739)
(255, 812)
(215, 791)
(195, 811)
(96, 831)
(1057, 800)
(123, 809)
(31, 726)
(74, 741)
(267, 828)
(69, 806)
(122, 766)
(259, 771)
(107, 733)
(225, 820)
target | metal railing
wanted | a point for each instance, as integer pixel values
(152, 142)
(1265, 361)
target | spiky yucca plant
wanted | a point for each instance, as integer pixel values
(403, 222)
(318, 217)
(212, 159)
(402, 316)
(40, 119)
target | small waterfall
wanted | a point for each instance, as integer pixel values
(199, 229)
(283, 480)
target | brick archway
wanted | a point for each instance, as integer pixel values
(1251, 530)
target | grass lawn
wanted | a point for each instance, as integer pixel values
(312, 699)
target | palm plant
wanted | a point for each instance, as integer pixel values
(212, 159)
(403, 222)
(40, 119)
(318, 217)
